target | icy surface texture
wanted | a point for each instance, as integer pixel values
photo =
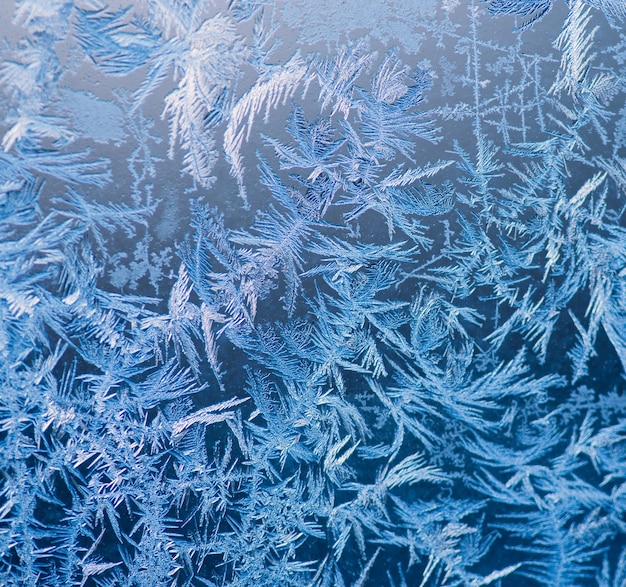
(313, 293)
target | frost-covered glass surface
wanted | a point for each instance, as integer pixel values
(313, 293)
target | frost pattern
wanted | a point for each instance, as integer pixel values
(282, 312)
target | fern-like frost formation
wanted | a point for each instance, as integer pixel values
(293, 295)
